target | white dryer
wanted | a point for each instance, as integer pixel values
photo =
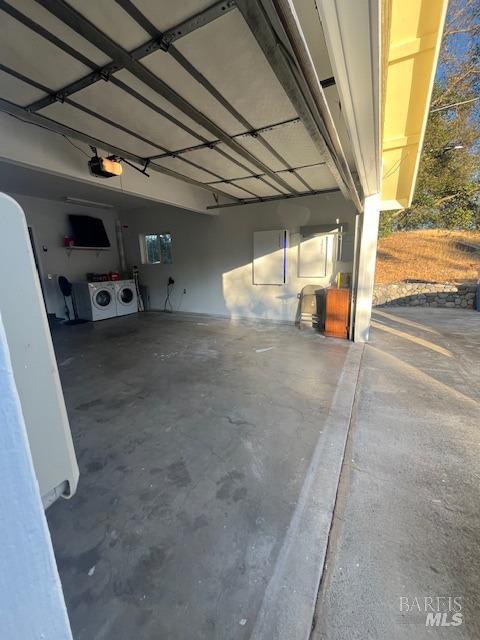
(126, 297)
(95, 300)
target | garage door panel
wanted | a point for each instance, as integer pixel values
(41, 60)
(213, 161)
(225, 51)
(318, 177)
(166, 14)
(277, 187)
(72, 117)
(174, 75)
(293, 143)
(18, 92)
(59, 29)
(258, 187)
(178, 165)
(250, 168)
(292, 180)
(227, 54)
(119, 106)
(234, 190)
(110, 18)
(255, 147)
(149, 94)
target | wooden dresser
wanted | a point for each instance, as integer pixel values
(337, 313)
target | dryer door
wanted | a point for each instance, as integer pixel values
(102, 298)
(125, 295)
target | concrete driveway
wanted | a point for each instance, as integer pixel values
(407, 519)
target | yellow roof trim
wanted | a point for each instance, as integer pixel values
(409, 60)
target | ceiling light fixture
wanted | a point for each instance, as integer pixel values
(88, 203)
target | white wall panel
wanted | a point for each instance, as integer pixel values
(312, 256)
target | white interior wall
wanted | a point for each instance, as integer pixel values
(212, 256)
(49, 222)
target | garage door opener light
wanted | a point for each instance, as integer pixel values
(109, 167)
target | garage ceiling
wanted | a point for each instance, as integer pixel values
(183, 87)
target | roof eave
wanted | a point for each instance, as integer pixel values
(413, 35)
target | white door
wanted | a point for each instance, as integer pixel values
(33, 359)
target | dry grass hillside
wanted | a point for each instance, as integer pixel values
(435, 255)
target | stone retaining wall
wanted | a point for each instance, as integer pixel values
(424, 294)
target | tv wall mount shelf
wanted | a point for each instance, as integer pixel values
(77, 248)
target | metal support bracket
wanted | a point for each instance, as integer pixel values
(142, 171)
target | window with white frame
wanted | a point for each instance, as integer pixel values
(156, 248)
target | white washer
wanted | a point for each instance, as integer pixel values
(95, 300)
(126, 297)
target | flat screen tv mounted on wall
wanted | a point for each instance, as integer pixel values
(88, 231)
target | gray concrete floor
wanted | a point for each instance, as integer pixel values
(194, 438)
(407, 519)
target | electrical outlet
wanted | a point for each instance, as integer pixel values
(184, 291)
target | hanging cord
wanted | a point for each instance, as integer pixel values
(168, 307)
